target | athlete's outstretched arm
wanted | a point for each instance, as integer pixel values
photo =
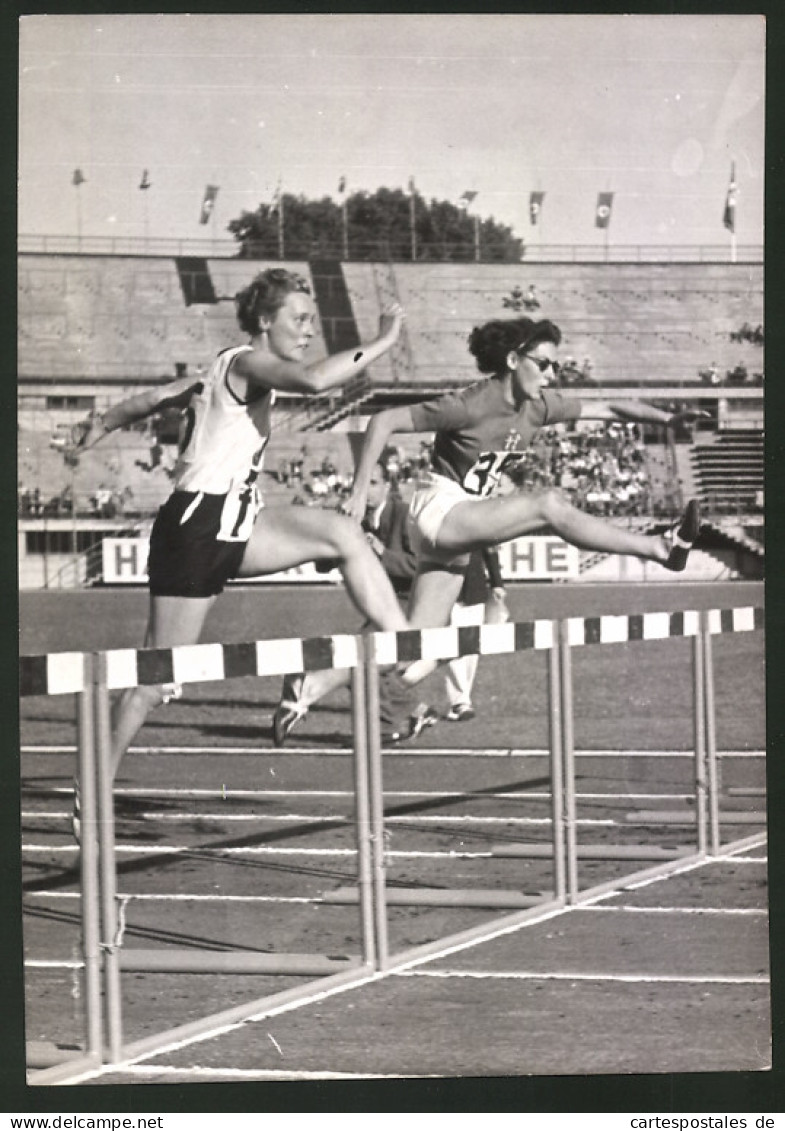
(378, 432)
(174, 394)
(636, 412)
(267, 369)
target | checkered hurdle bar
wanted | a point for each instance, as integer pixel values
(62, 672)
(517, 636)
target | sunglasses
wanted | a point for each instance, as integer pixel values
(543, 363)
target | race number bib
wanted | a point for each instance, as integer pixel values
(483, 477)
(238, 513)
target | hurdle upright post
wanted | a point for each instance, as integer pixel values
(562, 646)
(362, 808)
(377, 802)
(91, 931)
(699, 726)
(107, 860)
(712, 775)
(557, 768)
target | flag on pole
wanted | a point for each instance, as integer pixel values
(467, 198)
(602, 216)
(412, 188)
(535, 205)
(275, 203)
(342, 186)
(729, 214)
(78, 178)
(208, 203)
(145, 181)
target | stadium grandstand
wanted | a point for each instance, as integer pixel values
(97, 324)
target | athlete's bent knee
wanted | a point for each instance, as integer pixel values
(552, 504)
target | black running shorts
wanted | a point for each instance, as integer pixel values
(186, 559)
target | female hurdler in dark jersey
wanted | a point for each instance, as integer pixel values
(214, 526)
(480, 432)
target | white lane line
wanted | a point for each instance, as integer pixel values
(216, 853)
(534, 976)
(347, 794)
(633, 910)
(304, 818)
(200, 1073)
(54, 963)
(184, 897)
(403, 752)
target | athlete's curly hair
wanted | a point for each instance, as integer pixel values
(265, 295)
(490, 343)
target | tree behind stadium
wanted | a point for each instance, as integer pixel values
(373, 226)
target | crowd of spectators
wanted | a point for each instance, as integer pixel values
(103, 502)
(739, 375)
(602, 470)
(748, 333)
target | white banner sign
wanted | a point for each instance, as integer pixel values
(538, 559)
(525, 559)
(125, 561)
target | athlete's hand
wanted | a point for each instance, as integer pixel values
(688, 416)
(391, 320)
(86, 432)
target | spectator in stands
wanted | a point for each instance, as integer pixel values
(531, 302)
(569, 374)
(587, 372)
(213, 527)
(386, 526)
(480, 431)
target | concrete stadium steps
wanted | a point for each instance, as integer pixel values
(636, 321)
(106, 318)
(729, 469)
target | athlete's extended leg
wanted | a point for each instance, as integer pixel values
(490, 521)
(172, 621)
(288, 536)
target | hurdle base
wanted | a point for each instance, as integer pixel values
(673, 817)
(596, 852)
(178, 961)
(440, 897)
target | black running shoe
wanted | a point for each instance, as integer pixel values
(683, 537)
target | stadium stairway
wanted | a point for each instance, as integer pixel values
(728, 468)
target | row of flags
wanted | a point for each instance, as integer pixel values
(602, 213)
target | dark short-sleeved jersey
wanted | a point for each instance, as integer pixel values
(478, 433)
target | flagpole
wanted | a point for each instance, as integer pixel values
(476, 238)
(280, 222)
(412, 219)
(345, 220)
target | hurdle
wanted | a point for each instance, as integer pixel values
(93, 676)
(705, 816)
